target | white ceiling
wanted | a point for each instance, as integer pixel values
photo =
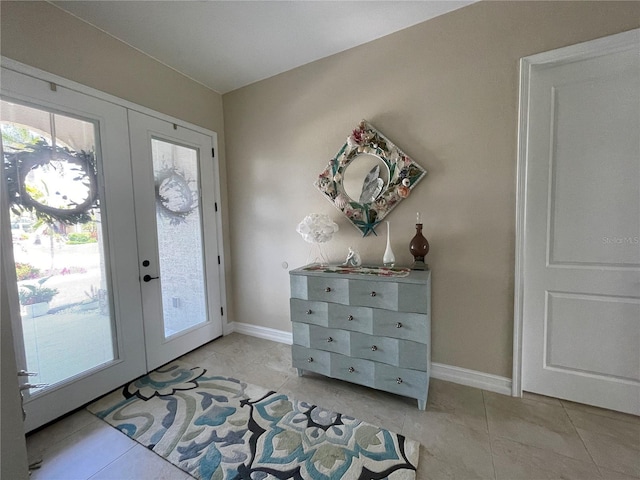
(225, 45)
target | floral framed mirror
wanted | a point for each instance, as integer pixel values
(368, 177)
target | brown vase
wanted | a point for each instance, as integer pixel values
(419, 247)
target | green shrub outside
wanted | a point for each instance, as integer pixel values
(80, 238)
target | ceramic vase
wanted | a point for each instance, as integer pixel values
(388, 259)
(419, 247)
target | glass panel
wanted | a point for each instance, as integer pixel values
(51, 170)
(176, 175)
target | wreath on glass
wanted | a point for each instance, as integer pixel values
(175, 197)
(67, 195)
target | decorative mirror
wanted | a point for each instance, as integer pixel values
(368, 177)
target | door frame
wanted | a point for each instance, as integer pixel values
(590, 49)
(55, 80)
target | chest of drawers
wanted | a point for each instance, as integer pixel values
(366, 329)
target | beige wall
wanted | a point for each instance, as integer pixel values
(445, 92)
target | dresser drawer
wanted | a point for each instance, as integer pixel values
(355, 370)
(329, 339)
(392, 351)
(300, 333)
(311, 359)
(358, 319)
(401, 297)
(373, 294)
(306, 311)
(410, 326)
(328, 289)
(370, 347)
(403, 381)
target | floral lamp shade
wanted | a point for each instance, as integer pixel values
(317, 228)
(367, 196)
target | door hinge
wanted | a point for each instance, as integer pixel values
(215, 204)
(218, 259)
(221, 311)
(213, 152)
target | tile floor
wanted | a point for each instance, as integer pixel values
(465, 432)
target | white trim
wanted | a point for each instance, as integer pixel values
(261, 332)
(601, 46)
(462, 376)
(42, 75)
(471, 378)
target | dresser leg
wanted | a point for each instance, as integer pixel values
(422, 404)
(300, 371)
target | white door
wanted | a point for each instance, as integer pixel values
(581, 252)
(175, 194)
(67, 175)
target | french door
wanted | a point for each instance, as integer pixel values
(96, 209)
(178, 253)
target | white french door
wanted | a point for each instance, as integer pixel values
(77, 354)
(102, 198)
(177, 236)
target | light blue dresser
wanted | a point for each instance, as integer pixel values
(366, 329)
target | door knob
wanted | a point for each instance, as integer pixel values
(148, 278)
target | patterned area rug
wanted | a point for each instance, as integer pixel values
(220, 428)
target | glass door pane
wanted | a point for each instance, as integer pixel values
(51, 170)
(179, 232)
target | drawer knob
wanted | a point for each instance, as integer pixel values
(329, 339)
(309, 312)
(350, 317)
(310, 359)
(399, 325)
(373, 294)
(351, 369)
(328, 289)
(398, 380)
(374, 348)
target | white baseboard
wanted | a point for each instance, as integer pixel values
(261, 332)
(471, 378)
(449, 373)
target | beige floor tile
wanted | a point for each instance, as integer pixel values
(612, 453)
(541, 398)
(230, 366)
(513, 460)
(603, 412)
(83, 453)
(533, 423)
(57, 432)
(448, 449)
(611, 475)
(457, 403)
(140, 463)
(613, 444)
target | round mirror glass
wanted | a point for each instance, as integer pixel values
(365, 178)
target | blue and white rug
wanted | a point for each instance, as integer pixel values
(219, 428)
